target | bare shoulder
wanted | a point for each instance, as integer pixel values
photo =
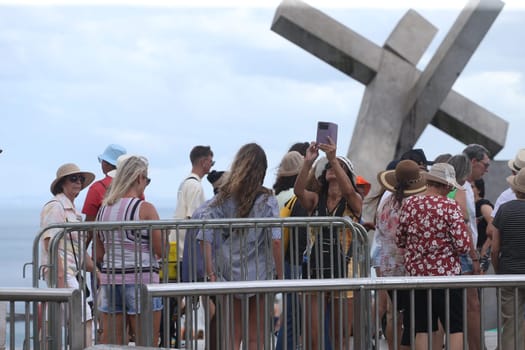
(148, 211)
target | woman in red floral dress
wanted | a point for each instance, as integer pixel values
(433, 232)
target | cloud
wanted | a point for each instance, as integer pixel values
(376, 4)
(160, 80)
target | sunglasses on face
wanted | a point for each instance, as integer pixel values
(329, 166)
(75, 178)
(148, 180)
(485, 165)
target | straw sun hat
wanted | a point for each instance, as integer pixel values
(517, 182)
(70, 169)
(518, 162)
(407, 172)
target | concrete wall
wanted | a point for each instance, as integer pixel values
(496, 179)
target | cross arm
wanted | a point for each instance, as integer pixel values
(327, 39)
(468, 122)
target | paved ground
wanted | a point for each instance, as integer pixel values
(491, 341)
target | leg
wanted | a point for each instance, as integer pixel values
(473, 319)
(508, 335)
(237, 322)
(256, 322)
(134, 328)
(113, 333)
(342, 321)
(312, 317)
(211, 328)
(456, 341)
(292, 323)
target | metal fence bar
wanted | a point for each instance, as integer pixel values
(69, 299)
(359, 252)
(312, 286)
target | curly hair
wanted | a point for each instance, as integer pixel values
(246, 179)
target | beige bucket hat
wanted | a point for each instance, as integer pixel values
(443, 173)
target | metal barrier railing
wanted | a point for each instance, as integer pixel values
(356, 266)
(56, 309)
(362, 286)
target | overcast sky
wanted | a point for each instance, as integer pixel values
(161, 78)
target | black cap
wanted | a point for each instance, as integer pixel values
(214, 176)
(418, 156)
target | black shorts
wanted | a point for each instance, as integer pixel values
(439, 310)
(403, 304)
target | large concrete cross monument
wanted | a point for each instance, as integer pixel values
(399, 100)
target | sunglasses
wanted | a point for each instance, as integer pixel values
(486, 165)
(75, 178)
(329, 166)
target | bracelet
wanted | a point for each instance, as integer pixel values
(475, 260)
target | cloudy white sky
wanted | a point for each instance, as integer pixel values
(159, 77)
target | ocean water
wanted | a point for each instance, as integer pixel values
(18, 229)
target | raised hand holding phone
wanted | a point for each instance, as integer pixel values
(326, 130)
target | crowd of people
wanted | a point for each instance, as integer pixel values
(431, 220)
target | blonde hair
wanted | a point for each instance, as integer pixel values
(126, 175)
(246, 178)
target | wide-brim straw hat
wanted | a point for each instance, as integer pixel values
(71, 169)
(407, 172)
(290, 164)
(518, 162)
(443, 173)
(517, 182)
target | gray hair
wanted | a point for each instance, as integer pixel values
(125, 177)
(475, 151)
(462, 166)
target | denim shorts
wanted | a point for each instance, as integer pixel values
(112, 299)
(466, 264)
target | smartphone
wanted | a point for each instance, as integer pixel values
(325, 129)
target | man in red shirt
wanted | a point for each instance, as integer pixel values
(96, 192)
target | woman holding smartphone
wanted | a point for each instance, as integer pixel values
(337, 196)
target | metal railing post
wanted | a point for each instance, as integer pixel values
(146, 317)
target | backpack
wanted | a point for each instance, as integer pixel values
(285, 212)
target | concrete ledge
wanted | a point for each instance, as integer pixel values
(121, 347)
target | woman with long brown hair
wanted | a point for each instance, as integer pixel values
(244, 254)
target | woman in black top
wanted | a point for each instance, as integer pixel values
(483, 216)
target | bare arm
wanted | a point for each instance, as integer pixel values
(495, 249)
(308, 199)
(206, 251)
(98, 251)
(461, 199)
(160, 246)
(277, 257)
(60, 266)
(353, 199)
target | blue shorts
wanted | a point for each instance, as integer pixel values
(112, 300)
(466, 264)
